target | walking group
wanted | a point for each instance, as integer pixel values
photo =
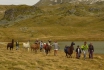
(80, 49)
(84, 49)
(48, 45)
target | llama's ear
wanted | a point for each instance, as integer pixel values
(12, 39)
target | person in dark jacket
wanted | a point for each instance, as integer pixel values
(78, 52)
(17, 45)
(90, 50)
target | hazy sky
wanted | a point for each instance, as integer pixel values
(17, 2)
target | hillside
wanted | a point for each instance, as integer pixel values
(62, 10)
(61, 22)
(3, 8)
(23, 60)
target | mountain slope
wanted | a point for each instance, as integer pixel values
(61, 22)
(60, 11)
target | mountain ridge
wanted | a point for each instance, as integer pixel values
(54, 2)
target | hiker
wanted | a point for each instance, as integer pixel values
(56, 47)
(90, 50)
(17, 45)
(84, 49)
(78, 52)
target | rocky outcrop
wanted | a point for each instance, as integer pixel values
(53, 2)
(20, 12)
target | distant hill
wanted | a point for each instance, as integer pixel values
(21, 12)
(62, 21)
(53, 2)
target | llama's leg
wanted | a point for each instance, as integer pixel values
(11, 48)
(54, 52)
(46, 52)
(70, 56)
(89, 55)
(31, 49)
(67, 55)
(7, 47)
(92, 55)
(49, 50)
(28, 49)
(35, 50)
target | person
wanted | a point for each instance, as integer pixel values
(49, 42)
(17, 45)
(78, 52)
(41, 45)
(90, 50)
(84, 49)
(36, 41)
(56, 47)
(65, 49)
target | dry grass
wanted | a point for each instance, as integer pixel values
(23, 60)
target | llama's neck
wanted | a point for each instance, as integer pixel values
(12, 41)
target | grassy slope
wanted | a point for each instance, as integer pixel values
(23, 60)
(54, 23)
(72, 30)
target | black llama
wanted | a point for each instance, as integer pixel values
(11, 45)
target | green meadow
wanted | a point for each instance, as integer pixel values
(64, 22)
